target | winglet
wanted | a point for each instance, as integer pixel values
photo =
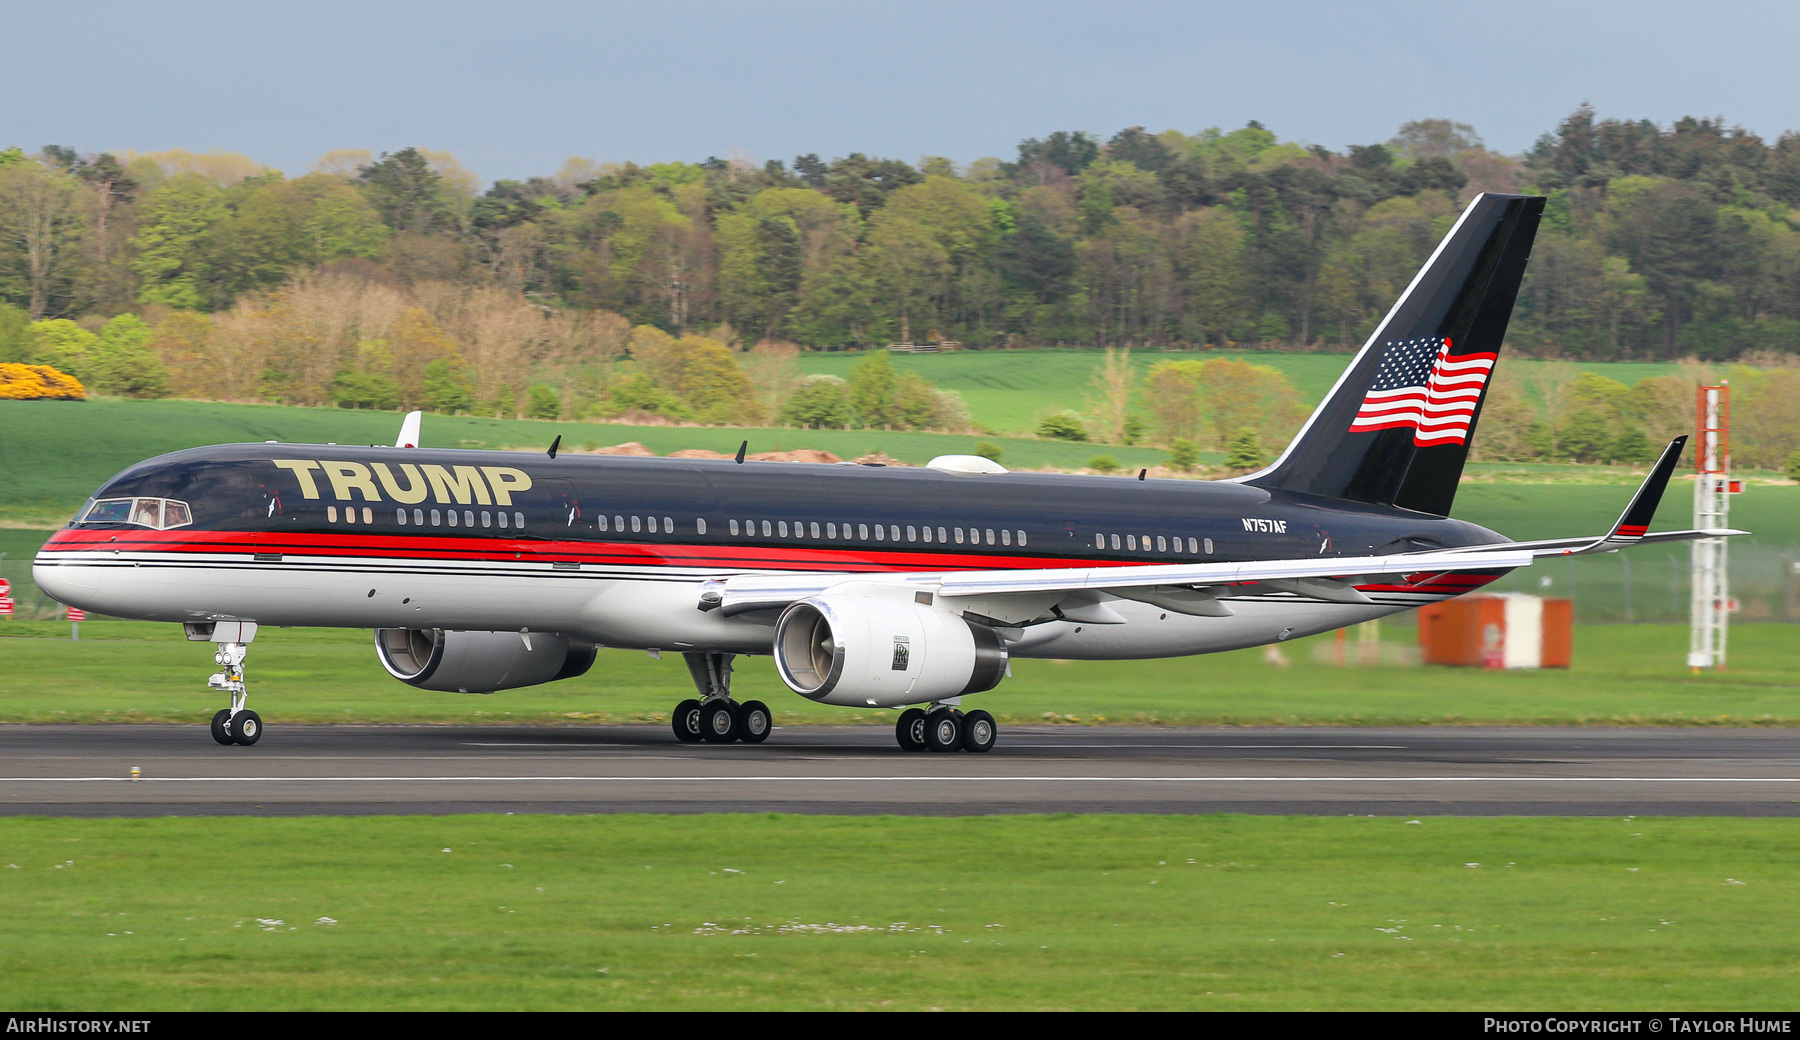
(1637, 516)
(409, 430)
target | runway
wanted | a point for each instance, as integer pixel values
(360, 770)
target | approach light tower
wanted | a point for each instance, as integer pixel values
(1711, 606)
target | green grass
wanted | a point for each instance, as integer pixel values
(1010, 390)
(997, 913)
(1623, 675)
(57, 453)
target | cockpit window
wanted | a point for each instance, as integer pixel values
(159, 513)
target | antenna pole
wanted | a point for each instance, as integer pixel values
(1710, 609)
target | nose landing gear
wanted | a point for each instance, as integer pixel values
(236, 724)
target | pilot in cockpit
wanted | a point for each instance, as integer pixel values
(148, 512)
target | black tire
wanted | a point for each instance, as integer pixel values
(943, 731)
(718, 723)
(909, 732)
(979, 732)
(754, 722)
(246, 727)
(686, 721)
(219, 732)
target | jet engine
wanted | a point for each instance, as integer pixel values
(881, 652)
(479, 662)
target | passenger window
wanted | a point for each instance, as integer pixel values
(927, 533)
(1208, 544)
(815, 529)
(1021, 537)
(941, 538)
(767, 529)
(487, 518)
(331, 514)
(637, 524)
(349, 514)
(733, 525)
(434, 518)
(781, 528)
(600, 521)
(400, 517)
(418, 518)
(831, 530)
(502, 519)
(1193, 549)
(468, 518)
(1099, 541)
(618, 523)
(668, 525)
(990, 536)
(1005, 537)
(879, 536)
(959, 535)
(1115, 542)
(1131, 542)
(1161, 546)
(862, 532)
(518, 521)
(700, 525)
(912, 533)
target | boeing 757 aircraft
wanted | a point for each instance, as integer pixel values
(872, 587)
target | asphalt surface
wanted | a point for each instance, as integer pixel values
(360, 770)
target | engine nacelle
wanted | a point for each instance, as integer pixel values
(479, 662)
(875, 651)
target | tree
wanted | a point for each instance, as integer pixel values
(38, 225)
(1172, 392)
(176, 220)
(988, 450)
(407, 192)
(1184, 454)
(542, 402)
(1112, 385)
(820, 402)
(447, 388)
(351, 389)
(1245, 452)
(1062, 426)
(1103, 464)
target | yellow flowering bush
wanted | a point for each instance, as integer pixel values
(36, 382)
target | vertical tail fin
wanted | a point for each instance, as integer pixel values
(1395, 430)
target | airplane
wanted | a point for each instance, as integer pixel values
(871, 586)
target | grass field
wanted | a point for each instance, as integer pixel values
(1010, 391)
(1622, 675)
(57, 453)
(998, 913)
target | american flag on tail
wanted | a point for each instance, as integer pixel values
(1421, 385)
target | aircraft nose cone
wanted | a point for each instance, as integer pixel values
(70, 584)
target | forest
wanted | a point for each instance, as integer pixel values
(685, 290)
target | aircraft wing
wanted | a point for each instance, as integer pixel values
(1190, 587)
(1314, 577)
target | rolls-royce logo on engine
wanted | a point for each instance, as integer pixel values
(902, 653)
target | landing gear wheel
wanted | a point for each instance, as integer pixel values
(979, 732)
(219, 732)
(943, 731)
(686, 721)
(718, 723)
(909, 732)
(246, 727)
(754, 722)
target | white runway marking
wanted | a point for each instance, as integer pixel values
(801, 778)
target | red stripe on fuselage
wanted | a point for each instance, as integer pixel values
(440, 547)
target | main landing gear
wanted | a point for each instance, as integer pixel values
(945, 728)
(236, 724)
(715, 717)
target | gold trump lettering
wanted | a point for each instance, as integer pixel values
(452, 485)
